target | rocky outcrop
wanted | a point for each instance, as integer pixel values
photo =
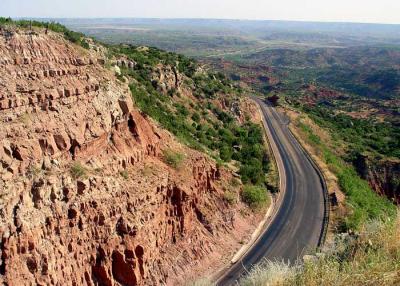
(166, 79)
(85, 198)
(382, 175)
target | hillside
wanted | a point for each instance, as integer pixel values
(119, 165)
(353, 93)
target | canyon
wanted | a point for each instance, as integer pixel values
(86, 197)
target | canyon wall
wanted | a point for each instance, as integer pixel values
(85, 197)
(382, 175)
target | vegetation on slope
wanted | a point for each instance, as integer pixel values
(364, 204)
(255, 196)
(370, 257)
(74, 37)
(362, 135)
(200, 123)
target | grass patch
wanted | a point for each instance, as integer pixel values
(77, 170)
(124, 174)
(230, 197)
(173, 159)
(25, 118)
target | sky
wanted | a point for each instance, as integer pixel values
(364, 11)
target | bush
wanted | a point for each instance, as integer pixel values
(78, 171)
(230, 197)
(252, 172)
(196, 117)
(256, 197)
(225, 153)
(173, 159)
(124, 174)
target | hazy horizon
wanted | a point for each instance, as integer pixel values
(194, 18)
(342, 11)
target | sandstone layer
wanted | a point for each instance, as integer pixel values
(85, 197)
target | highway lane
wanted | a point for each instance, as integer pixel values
(297, 225)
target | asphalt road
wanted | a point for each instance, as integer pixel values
(296, 228)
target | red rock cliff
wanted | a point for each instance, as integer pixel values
(128, 219)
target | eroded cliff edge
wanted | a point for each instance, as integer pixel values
(123, 217)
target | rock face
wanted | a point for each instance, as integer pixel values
(85, 198)
(166, 78)
(382, 175)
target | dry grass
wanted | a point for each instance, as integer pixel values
(173, 159)
(371, 257)
(269, 273)
(201, 282)
(25, 118)
(77, 170)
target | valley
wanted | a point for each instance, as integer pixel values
(149, 151)
(100, 187)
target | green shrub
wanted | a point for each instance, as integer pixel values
(124, 174)
(252, 172)
(196, 117)
(230, 197)
(78, 170)
(225, 153)
(173, 159)
(256, 197)
(234, 182)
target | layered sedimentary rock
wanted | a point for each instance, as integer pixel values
(85, 198)
(382, 175)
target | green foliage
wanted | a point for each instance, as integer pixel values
(362, 135)
(77, 170)
(364, 203)
(230, 197)
(74, 37)
(196, 117)
(225, 153)
(150, 56)
(256, 197)
(210, 84)
(124, 174)
(173, 159)
(219, 133)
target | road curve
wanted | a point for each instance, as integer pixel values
(298, 223)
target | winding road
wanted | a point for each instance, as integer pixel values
(298, 224)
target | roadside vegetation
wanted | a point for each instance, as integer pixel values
(255, 196)
(370, 257)
(364, 204)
